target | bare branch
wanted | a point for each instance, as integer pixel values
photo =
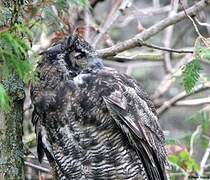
(143, 56)
(142, 43)
(111, 19)
(133, 42)
(192, 139)
(201, 23)
(194, 102)
(192, 20)
(167, 104)
(156, 3)
(168, 36)
(204, 160)
(40, 168)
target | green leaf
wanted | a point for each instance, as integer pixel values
(184, 155)
(187, 161)
(14, 53)
(4, 100)
(190, 75)
(184, 160)
(192, 165)
(191, 71)
(173, 159)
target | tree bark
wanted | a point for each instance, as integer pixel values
(11, 132)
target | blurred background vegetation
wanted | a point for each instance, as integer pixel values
(172, 65)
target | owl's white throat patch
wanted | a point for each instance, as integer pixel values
(79, 78)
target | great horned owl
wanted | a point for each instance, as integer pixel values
(93, 122)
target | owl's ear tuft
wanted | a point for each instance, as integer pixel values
(70, 42)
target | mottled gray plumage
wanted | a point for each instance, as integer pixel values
(93, 122)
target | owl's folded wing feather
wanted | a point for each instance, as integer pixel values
(140, 125)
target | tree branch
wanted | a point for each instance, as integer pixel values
(133, 42)
(167, 104)
(192, 139)
(168, 36)
(165, 48)
(204, 160)
(142, 56)
(112, 17)
(40, 168)
(194, 102)
(202, 23)
(192, 20)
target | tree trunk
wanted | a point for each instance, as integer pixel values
(11, 132)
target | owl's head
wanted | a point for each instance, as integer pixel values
(81, 54)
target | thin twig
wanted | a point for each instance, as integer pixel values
(142, 43)
(192, 139)
(143, 56)
(156, 3)
(148, 33)
(40, 168)
(192, 20)
(111, 19)
(168, 36)
(167, 104)
(194, 102)
(201, 23)
(204, 161)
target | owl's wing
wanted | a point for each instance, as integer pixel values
(36, 122)
(41, 137)
(43, 95)
(140, 125)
